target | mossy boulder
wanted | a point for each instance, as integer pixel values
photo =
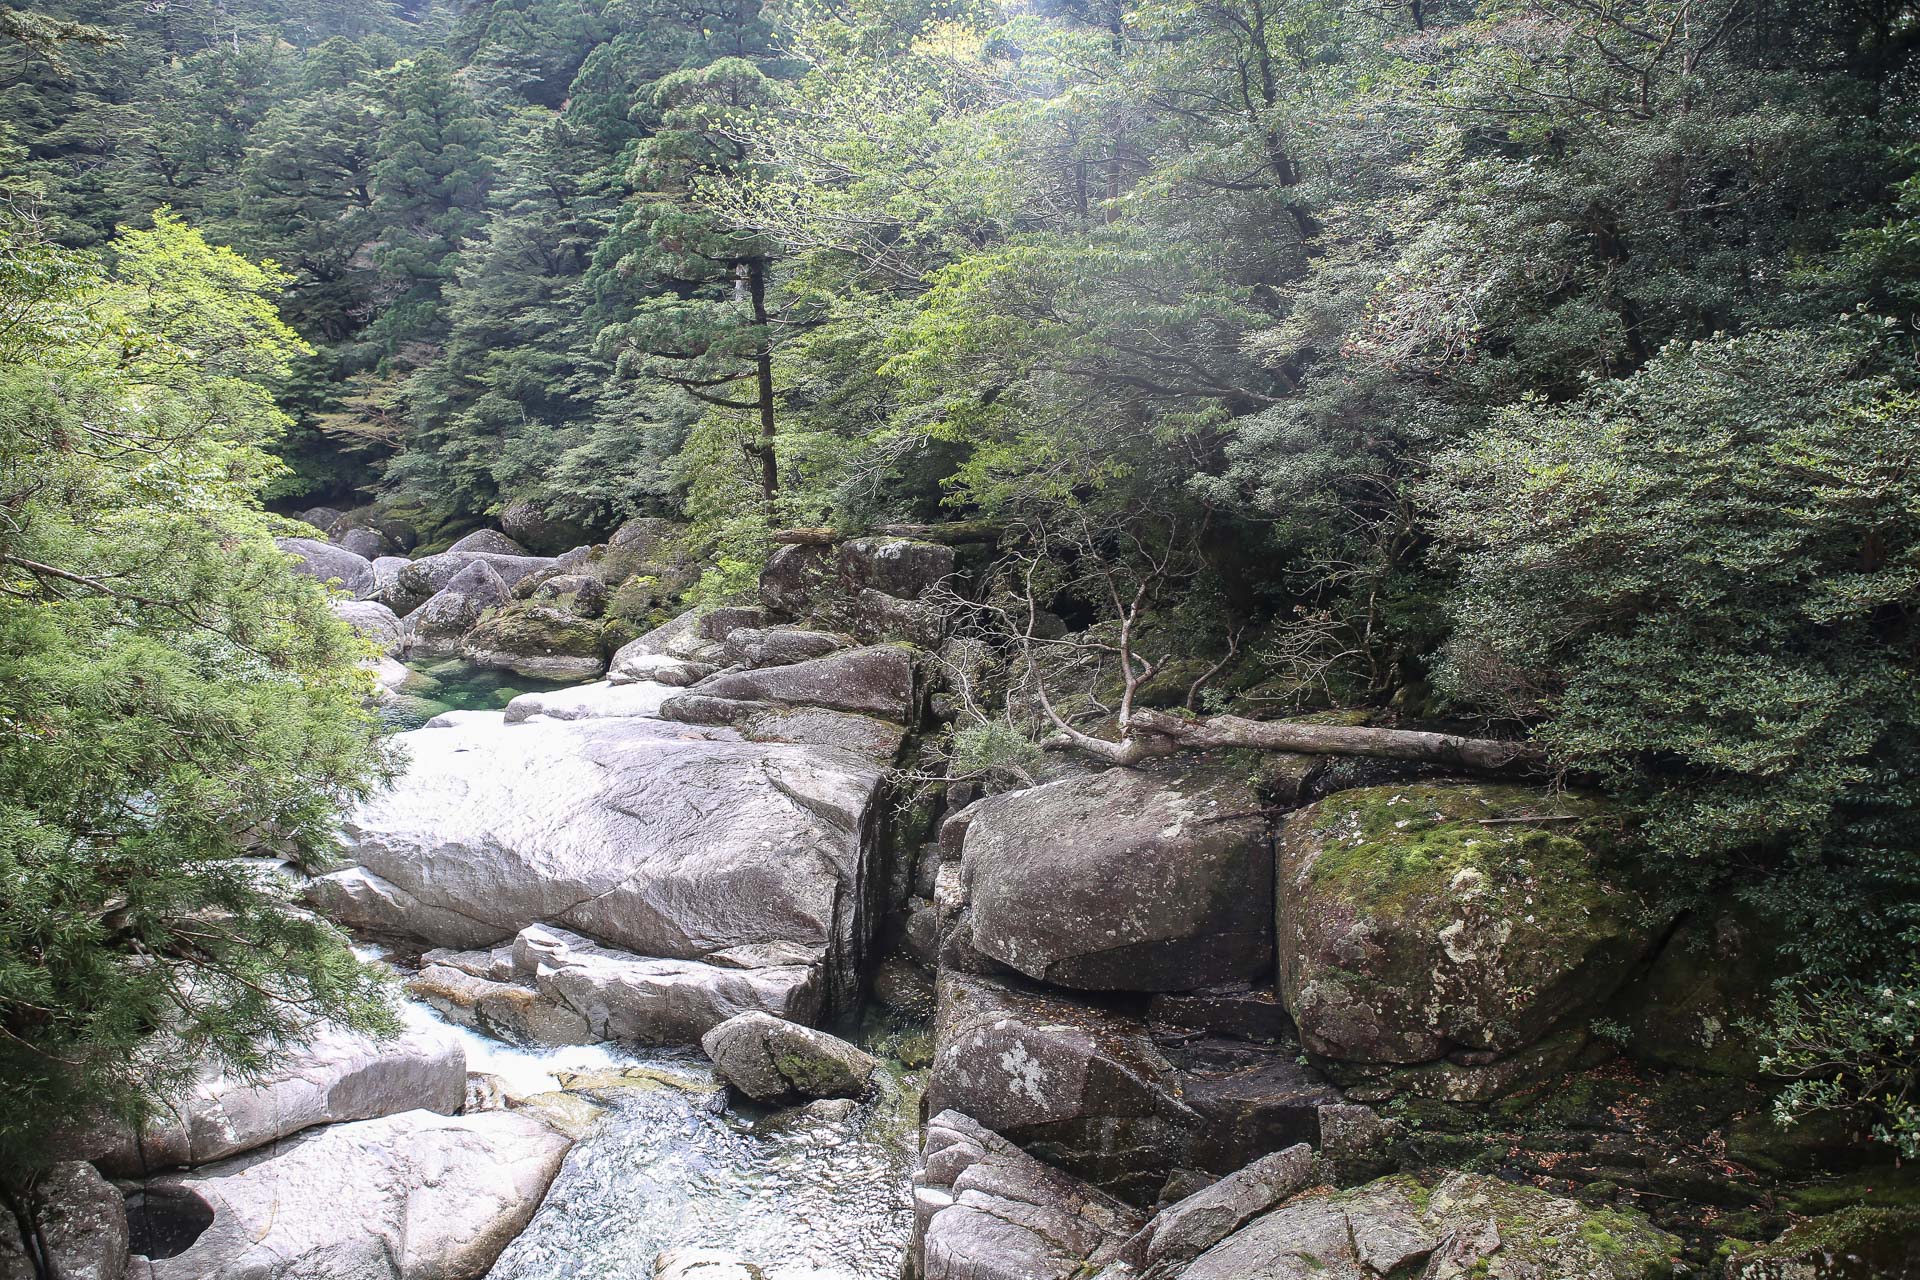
(772, 1060)
(1463, 1225)
(1448, 920)
(1860, 1243)
(537, 639)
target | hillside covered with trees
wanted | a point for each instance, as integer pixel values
(1536, 372)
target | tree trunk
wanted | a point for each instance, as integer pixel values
(763, 377)
(1155, 733)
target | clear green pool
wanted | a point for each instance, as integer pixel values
(453, 684)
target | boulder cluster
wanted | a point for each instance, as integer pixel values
(513, 603)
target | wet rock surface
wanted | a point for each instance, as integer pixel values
(772, 1060)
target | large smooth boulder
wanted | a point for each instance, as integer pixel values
(491, 541)
(600, 700)
(538, 640)
(383, 585)
(373, 620)
(1464, 1225)
(1128, 880)
(655, 838)
(423, 578)
(648, 1000)
(876, 680)
(333, 1076)
(1081, 1087)
(986, 1210)
(772, 1060)
(364, 541)
(440, 625)
(416, 1196)
(83, 1221)
(534, 527)
(321, 518)
(328, 563)
(1421, 919)
(779, 646)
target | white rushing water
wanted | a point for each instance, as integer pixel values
(804, 1193)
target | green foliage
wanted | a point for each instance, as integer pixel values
(1853, 1047)
(1701, 579)
(176, 698)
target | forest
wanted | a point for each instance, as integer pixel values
(1536, 372)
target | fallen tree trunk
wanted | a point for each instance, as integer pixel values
(1152, 734)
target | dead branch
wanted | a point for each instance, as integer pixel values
(1151, 734)
(949, 534)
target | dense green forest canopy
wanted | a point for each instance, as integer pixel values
(1542, 366)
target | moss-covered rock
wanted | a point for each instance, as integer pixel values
(1860, 1243)
(539, 640)
(1463, 1225)
(1425, 920)
(1710, 979)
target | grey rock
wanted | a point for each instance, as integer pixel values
(653, 837)
(643, 533)
(416, 1196)
(653, 644)
(600, 700)
(717, 624)
(775, 647)
(878, 740)
(327, 563)
(363, 541)
(421, 579)
(438, 626)
(1197, 1223)
(333, 1076)
(1082, 1088)
(538, 529)
(877, 680)
(1355, 1141)
(372, 620)
(661, 668)
(770, 1059)
(510, 1011)
(1250, 1100)
(645, 1000)
(1241, 1010)
(583, 593)
(491, 541)
(1132, 879)
(986, 1210)
(83, 1220)
(321, 518)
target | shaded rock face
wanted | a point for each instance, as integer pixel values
(438, 626)
(1711, 978)
(1418, 921)
(870, 587)
(336, 1075)
(1129, 880)
(344, 569)
(771, 1060)
(1081, 1088)
(877, 680)
(774, 647)
(416, 1196)
(363, 541)
(538, 640)
(985, 1210)
(1858, 1243)
(83, 1221)
(660, 839)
